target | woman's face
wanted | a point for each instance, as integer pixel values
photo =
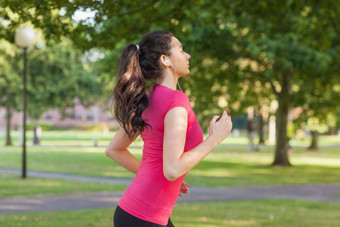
(179, 58)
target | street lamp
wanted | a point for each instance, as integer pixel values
(24, 38)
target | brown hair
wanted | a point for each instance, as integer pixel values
(135, 67)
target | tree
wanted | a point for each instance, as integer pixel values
(318, 97)
(319, 105)
(57, 72)
(44, 15)
(279, 31)
(10, 85)
(282, 38)
(283, 43)
(287, 41)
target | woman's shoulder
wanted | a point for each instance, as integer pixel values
(177, 98)
(177, 95)
(168, 94)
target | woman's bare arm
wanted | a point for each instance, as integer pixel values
(118, 152)
(175, 161)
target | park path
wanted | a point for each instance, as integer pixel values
(308, 192)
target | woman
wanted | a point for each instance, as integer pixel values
(173, 139)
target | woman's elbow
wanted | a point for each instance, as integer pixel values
(108, 152)
(170, 174)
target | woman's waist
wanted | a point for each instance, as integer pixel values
(153, 192)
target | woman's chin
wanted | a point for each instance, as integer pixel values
(187, 72)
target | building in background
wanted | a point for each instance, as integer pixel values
(75, 117)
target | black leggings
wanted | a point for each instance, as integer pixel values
(123, 219)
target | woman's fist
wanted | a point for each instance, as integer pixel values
(220, 129)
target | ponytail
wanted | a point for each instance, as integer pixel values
(139, 64)
(129, 94)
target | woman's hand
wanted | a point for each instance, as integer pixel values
(220, 129)
(184, 188)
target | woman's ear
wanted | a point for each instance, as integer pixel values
(164, 61)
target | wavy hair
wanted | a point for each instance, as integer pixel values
(136, 67)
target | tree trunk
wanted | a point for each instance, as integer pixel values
(281, 155)
(8, 126)
(261, 133)
(314, 144)
(332, 130)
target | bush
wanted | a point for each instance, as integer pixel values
(44, 126)
(86, 127)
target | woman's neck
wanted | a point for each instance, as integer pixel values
(170, 80)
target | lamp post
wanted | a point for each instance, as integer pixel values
(24, 38)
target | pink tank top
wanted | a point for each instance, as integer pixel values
(151, 197)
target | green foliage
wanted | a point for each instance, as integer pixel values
(44, 15)
(244, 53)
(85, 127)
(58, 74)
(44, 126)
(10, 78)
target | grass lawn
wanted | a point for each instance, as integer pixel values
(206, 214)
(224, 166)
(86, 138)
(67, 137)
(13, 185)
(77, 160)
(235, 167)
